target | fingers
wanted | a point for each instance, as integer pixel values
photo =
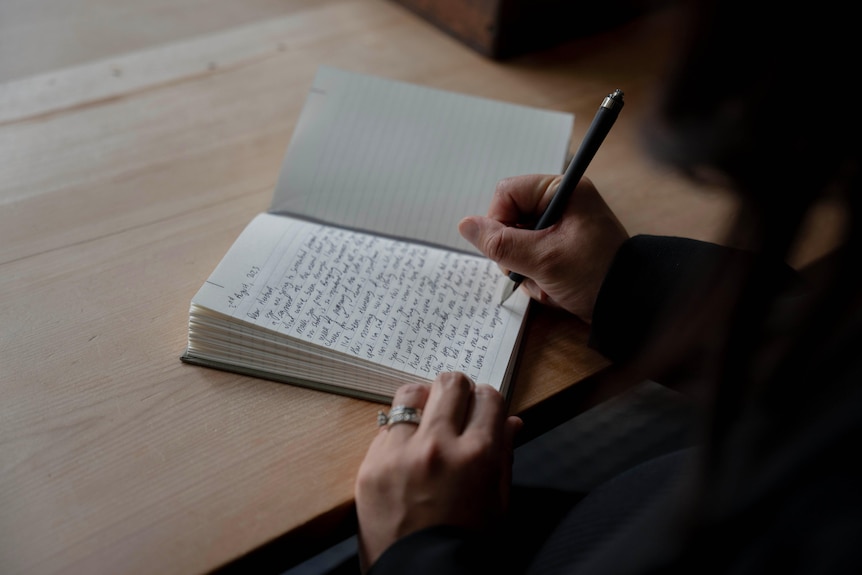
(448, 403)
(459, 407)
(521, 200)
(505, 235)
(511, 427)
(411, 395)
(487, 412)
(513, 249)
(565, 263)
(453, 404)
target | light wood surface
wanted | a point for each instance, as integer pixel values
(136, 140)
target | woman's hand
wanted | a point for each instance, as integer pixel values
(453, 468)
(564, 264)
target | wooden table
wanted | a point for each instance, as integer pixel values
(136, 141)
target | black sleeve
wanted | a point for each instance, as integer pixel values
(436, 550)
(645, 281)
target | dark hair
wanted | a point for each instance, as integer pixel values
(760, 100)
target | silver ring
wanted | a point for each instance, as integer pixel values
(399, 414)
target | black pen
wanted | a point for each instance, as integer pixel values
(605, 118)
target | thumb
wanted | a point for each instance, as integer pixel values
(510, 247)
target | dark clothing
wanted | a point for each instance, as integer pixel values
(774, 488)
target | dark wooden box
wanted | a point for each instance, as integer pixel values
(502, 29)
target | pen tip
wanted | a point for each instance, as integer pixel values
(508, 290)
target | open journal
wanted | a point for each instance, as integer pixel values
(356, 280)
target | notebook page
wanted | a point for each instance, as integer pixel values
(407, 160)
(409, 307)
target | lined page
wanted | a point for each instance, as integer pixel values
(406, 160)
(413, 308)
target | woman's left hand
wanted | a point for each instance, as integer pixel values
(453, 468)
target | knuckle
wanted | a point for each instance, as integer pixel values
(498, 245)
(429, 456)
(486, 391)
(410, 394)
(501, 190)
(454, 381)
(489, 396)
(477, 450)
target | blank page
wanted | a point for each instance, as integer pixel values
(409, 161)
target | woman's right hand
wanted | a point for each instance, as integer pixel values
(564, 264)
